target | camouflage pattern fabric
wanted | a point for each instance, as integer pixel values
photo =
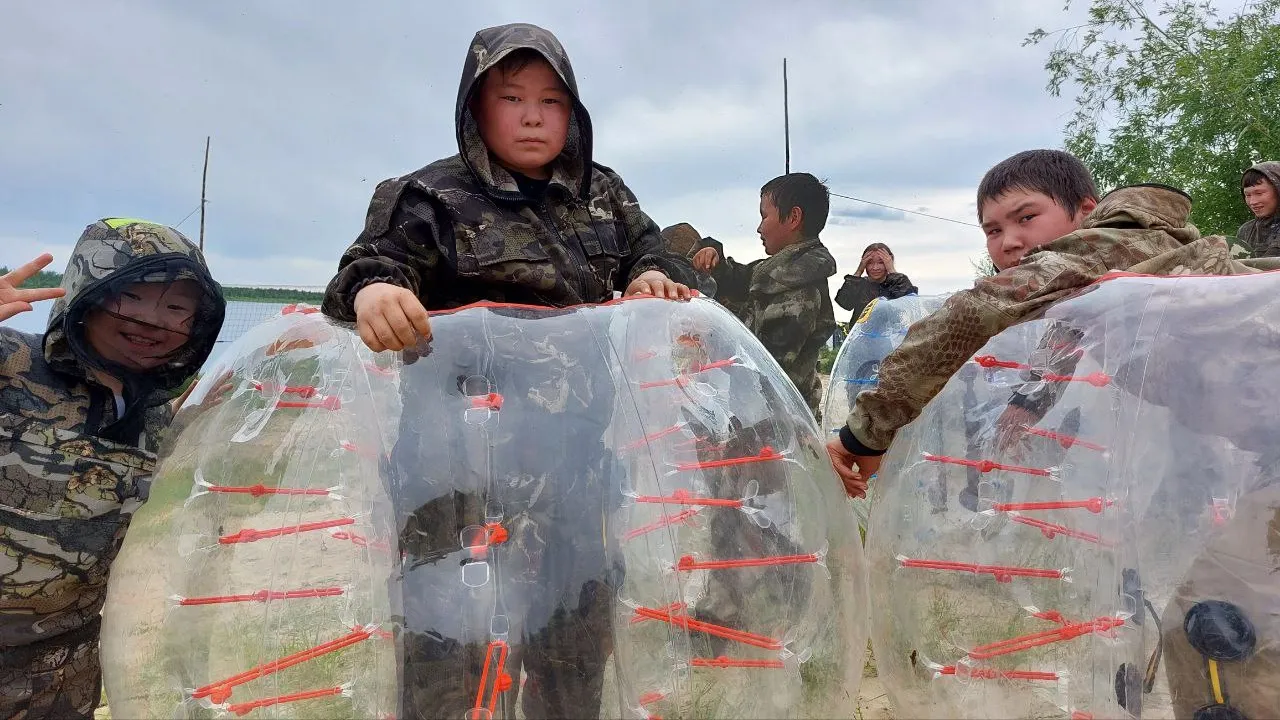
(460, 230)
(685, 241)
(1261, 236)
(67, 493)
(112, 253)
(682, 239)
(784, 300)
(58, 679)
(1139, 229)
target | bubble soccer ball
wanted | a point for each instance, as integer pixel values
(618, 511)
(1086, 523)
(877, 331)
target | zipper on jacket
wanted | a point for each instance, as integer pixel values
(575, 248)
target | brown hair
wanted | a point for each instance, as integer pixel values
(804, 191)
(877, 246)
(1058, 174)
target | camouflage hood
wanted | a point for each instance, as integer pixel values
(1270, 169)
(801, 265)
(109, 255)
(488, 48)
(1146, 207)
(682, 239)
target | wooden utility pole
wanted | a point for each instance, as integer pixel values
(786, 115)
(204, 179)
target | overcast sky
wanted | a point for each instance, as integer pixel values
(104, 108)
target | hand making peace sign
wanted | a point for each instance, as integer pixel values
(14, 300)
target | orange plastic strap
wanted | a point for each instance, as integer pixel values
(495, 662)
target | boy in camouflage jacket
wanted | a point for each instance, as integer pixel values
(521, 215)
(81, 411)
(1140, 229)
(784, 299)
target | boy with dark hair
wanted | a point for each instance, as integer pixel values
(520, 215)
(1024, 205)
(784, 298)
(81, 413)
(1261, 188)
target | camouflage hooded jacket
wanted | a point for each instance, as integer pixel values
(1140, 229)
(461, 230)
(784, 299)
(71, 472)
(1262, 235)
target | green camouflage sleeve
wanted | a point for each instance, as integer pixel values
(647, 250)
(940, 344)
(397, 246)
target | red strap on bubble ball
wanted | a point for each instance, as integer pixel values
(220, 692)
(250, 535)
(766, 454)
(727, 662)
(495, 661)
(664, 521)
(245, 708)
(263, 596)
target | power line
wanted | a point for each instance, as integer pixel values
(913, 212)
(188, 217)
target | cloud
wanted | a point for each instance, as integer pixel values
(859, 212)
(104, 111)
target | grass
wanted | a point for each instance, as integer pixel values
(170, 647)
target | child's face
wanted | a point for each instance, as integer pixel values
(775, 232)
(144, 325)
(1261, 199)
(524, 117)
(877, 265)
(1020, 221)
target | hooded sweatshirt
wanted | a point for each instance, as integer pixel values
(1262, 235)
(463, 229)
(785, 301)
(72, 471)
(1140, 229)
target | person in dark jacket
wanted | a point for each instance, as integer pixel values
(881, 280)
(523, 216)
(1261, 189)
(82, 408)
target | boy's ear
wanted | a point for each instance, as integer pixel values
(1087, 206)
(795, 218)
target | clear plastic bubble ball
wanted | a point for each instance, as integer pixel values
(1086, 523)
(604, 511)
(879, 329)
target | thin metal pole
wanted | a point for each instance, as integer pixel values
(786, 114)
(204, 179)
